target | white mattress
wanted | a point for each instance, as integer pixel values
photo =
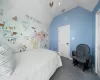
(36, 64)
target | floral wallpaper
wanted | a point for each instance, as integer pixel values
(24, 34)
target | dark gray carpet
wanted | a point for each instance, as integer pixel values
(70, 72)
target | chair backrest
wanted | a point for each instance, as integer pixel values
(82, 50)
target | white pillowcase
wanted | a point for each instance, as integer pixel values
(6, 62)
(1, 49)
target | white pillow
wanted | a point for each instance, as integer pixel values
(1, 49)
(6, 62)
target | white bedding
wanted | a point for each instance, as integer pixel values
(36, 64)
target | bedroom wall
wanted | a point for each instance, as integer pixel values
(94, 24)
(22, 28)
(80, 21)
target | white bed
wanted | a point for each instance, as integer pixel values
(36, 64)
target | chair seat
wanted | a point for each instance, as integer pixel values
(80, 59)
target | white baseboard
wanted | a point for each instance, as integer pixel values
(67, 58)
(70, 58)
(93, 68)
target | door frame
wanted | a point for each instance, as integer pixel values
(69, 39)
(96, 42)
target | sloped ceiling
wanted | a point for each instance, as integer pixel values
(67, 5)
(42, 11)
(58, 7)
(35, 8)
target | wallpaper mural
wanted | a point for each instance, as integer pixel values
(23, 33)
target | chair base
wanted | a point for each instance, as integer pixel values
(83, 66)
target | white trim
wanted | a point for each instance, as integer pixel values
(96, 42)
(69, 40)
(93, 68)
(70, 58)
(98, 11)
(62, 56)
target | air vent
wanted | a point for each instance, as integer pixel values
(63, 10)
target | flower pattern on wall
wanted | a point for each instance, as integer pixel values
(23, 35)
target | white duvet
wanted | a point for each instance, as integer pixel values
(36, 64)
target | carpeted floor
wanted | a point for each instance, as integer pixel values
(70, 72)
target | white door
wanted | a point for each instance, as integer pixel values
(64, 41)
(98, 43)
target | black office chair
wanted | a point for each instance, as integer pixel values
(81, 55)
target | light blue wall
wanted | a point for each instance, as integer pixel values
(80, 21)
(94, 21)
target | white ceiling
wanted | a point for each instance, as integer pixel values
(56, 9)
(42, 11)
(70, 4)
(35, 8)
